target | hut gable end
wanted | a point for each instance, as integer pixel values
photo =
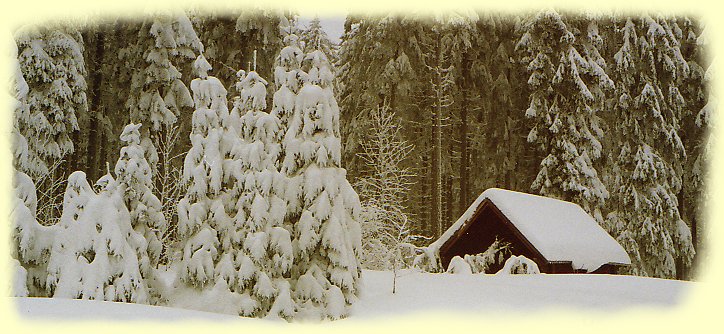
(479, 232)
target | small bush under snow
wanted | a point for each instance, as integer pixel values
(93, 256)
(459, 266)
(519, 265)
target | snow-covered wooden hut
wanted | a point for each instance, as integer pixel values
(559, 236)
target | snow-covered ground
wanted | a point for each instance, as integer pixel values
(74, 309)
(419, 293)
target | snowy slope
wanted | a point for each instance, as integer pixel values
(421, 292)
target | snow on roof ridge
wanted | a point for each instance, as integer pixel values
(560, 230)
(495, 190)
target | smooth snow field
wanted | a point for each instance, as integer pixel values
(500, 293)
(419, 293)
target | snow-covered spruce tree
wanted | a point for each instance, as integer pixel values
(32, 241)
(93, 255)
(265, 256)
(383, 191)
(321, 203)
(157, 94)
(694, 130)
(701, 170)
(52, 63)
(134, 179)
(51, 60)
(288, 80)
(645, 219)
(314, 38)
(23, 201)
(205, 230)
(565, 90)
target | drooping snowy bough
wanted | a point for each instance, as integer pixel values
(32, 240)
(287, 80)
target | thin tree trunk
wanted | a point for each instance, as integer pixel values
(103, 154)
(160, 168)
(509, 138)
(436, 171)
(681, 271)
(464, 155)
(694, 241)
(437, 140)
(72, 158)
(96, 77)
(449, 207)
(394, 275)
(423, 197)
(695, 235)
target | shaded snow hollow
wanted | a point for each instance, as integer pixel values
(419, 292)
(560, 230)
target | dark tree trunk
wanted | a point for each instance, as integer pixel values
(160, 168)
(71, 159)
(449, 197)
(96, 80)
(695, 242)
(509, 154)
(464, 155)
(436, 170)
(423, 196)
(695, 236)
(436, 177)
(103, 154)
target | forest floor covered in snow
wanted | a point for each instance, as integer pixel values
(420, 293)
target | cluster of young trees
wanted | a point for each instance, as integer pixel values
(609, 112)
(264, 215)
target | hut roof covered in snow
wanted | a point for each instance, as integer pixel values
(559, 231)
